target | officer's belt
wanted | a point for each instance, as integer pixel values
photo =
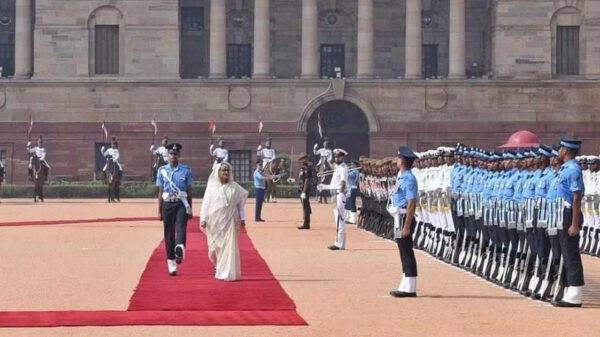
(174, 198)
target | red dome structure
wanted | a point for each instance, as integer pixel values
(521, 139)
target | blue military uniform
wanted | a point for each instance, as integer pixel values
(406, 189)
(570, 182)
(175, 207)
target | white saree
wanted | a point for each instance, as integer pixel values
(222, 210)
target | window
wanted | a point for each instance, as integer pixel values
(107, 49)
(240, 160)
(332, 56)
(239, 60)
(193, 41)
(567, 50)
(430, 60)
(7, 38)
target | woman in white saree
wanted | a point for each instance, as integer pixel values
(222, 216)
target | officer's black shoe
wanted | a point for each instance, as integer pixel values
(333, 247)
(397, 293)
(536, 296)
(179, 254)
(304, 227)
(172, 273)
(563, 304)
(259, 220)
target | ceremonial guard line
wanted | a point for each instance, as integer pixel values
(512, 217)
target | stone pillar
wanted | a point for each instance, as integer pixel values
(262, 39)
(457, 40)
(413, 62)
(310, 39)
(365, 39)
(23, 40)
(218, 39)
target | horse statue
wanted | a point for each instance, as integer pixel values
(159, 162)
(40, 175)
(324, 170)
(276, 169)
(113, 180)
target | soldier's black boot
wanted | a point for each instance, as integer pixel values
(306, 224)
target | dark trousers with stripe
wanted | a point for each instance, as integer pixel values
(407, 254)
(175, 226)
(259, 194)
(569, 246)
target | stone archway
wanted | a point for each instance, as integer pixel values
(344, 123)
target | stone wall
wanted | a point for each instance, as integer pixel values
(422, 114)
(523, 34)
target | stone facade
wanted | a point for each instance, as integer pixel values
(512, 41)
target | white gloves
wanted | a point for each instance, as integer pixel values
(211, 147)
(102, 149)
(259, 148)
(320, 187)
(152, 148)
(28, 144)
(303, 196)
(315, 147)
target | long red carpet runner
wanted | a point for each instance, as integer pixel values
(193, 297)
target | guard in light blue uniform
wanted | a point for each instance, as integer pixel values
(404, 205)
(353, 178)
(174, 182)
(571, 190)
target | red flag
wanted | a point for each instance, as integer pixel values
(30, 125)
(105, 130)
(320, 125)
(212, 127)
(153, 122)
(260, 126)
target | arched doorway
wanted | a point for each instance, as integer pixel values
(344, 123)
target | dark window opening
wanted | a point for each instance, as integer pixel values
(332, 56)
(107, 50)
(567, 50)
(240, 161)
(7, 37)
(430, 60)
(192, 56)
(239, 60)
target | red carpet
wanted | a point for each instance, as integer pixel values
(193, 297)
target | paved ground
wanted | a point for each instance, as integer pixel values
(96, 266)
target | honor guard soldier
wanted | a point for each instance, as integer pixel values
(161, 151)
(571, 192)
(266, 153)
(353, 178)
(40, 152)
(220, 154)
(113, 153)
(174, 183)
(339, 185)
(404, 201)
(304, 180)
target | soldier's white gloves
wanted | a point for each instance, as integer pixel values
(320, 187)
(315, 147)
(303, 196)
(259, 148)
(102, 149)
(152, 148)
(28, 144)
(211, 147)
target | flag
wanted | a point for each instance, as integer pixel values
(30, 125)
(105, 130)
(212, 127)
(260, 126)
(153, 122)
(320, 125)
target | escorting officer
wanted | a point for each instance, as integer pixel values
(220, 154)
(267, 153)
(571, 191)
(259, 190)
(113, 152)
(161, 150)
(304, 179)
(404, 205)
(174, 183)
(339, 184)
(40, 152)
(353, 178)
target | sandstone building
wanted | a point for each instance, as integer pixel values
(418, 72)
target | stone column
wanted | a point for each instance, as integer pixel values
(23, 40)
(365, 39)
(262, 39)
(413, 62)
(218, 39)
(457, 40)
(310, 39)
